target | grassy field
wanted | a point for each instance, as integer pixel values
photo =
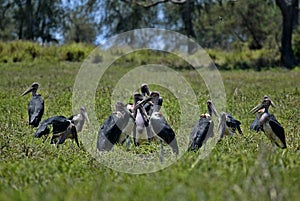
(238, 168)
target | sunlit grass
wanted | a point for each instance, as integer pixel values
(238, 168)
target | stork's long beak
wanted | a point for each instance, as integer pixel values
(273, 104)
(75, 135)
(86, 117)
(27, 91)
(221, 125)
(128, 112)
(256, 108)
(143, 102)
(213, 109)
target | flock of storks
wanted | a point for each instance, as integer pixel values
(148, 123)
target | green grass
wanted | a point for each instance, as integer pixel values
(238, 168)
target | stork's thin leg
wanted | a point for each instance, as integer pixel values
(161, 151)
(134, 136)
(240, 130)
(127, 142)
(72, 144)
(53, 140)
(148, 130)
(46, 137)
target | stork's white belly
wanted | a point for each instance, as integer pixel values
(141, 133)
(127, 131)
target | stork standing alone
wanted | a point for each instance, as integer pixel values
(203, 128)
(35, 105)
(268, 123)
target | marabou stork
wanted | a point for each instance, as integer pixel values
(203, 128)
(228, 125)
(268, 123)
(160, 125)
(35, 105)
(63, 128)
(110, 131)
(79, 119)
(145, 89)
(141, 130)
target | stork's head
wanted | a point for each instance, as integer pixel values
(83, 112)
(206, 116)
(265, 104)
(155, 97)
(33, 88)
(137, 97)
(267, 101)
(145, 89)
(120, 106)
(211, 108)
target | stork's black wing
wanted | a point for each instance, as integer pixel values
(60, 124)
(44, 127)
(272, 117)
(35, 110)
(110, 131)
(161, 128)
(255, 124)
(232, 123)
(70, 132)
(72, 116)
(278, 130)
(199, 133)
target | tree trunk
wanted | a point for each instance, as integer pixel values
(186, 13)
(29, 20)
(20, 33)
(296, 13)
(288, 59)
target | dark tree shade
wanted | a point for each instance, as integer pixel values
(289, 12)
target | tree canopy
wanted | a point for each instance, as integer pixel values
(216, 24)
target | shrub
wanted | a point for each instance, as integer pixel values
(19, 51)
(241, 58)
(74, 52)
(245, 59)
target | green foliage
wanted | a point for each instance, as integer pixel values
(74, 52)
(223, 24)
(25, 51)
(245, 59)
(239, 167)
(296, 43)
(31, 20)
(242, 58)
(120, 16)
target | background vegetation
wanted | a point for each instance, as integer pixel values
(22, 51)
(229, 26)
